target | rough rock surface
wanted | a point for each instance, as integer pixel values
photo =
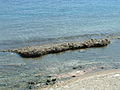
(37, 51)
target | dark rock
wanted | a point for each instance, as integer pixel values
(30, 87)
(102, 67)
(54, 80)
(73, 76)
(48, 81)
(31, 83)
(74, 68)
(78, 67)
(47, 84)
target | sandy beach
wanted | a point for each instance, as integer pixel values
(104, 80)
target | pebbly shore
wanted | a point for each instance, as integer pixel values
(105, 80)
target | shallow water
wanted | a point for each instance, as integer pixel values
(29, 22)
(43, 21)
(16, 72)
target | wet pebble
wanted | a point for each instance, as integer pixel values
(48, 81)
(73, 76)
(31, 82)
(54, 80)
(102, 67)
(78, 67)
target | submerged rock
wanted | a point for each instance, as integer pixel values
(79, 67)
(37, 51)
(102, 67)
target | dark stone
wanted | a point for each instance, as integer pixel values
(53, 83)
(54, 80)
(102, 67)
(74, 68)
(48, 81)
(78, 67)
(31, 82)
(73, 76)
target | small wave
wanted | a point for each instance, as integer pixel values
(9, 44)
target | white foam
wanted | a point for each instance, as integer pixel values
(116, 75)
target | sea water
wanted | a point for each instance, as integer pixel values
(39, 21)
(33, 22)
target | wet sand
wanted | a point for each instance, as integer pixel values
(104, 80)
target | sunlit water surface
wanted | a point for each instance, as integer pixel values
(33, 22)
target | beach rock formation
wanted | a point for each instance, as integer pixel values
(37, 51)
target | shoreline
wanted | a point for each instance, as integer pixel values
(102, 80)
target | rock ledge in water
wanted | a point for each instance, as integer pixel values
(37, 51)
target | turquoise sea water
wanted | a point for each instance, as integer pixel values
(32, 22)
(39, 21)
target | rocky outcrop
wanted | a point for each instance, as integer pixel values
(37, 51)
